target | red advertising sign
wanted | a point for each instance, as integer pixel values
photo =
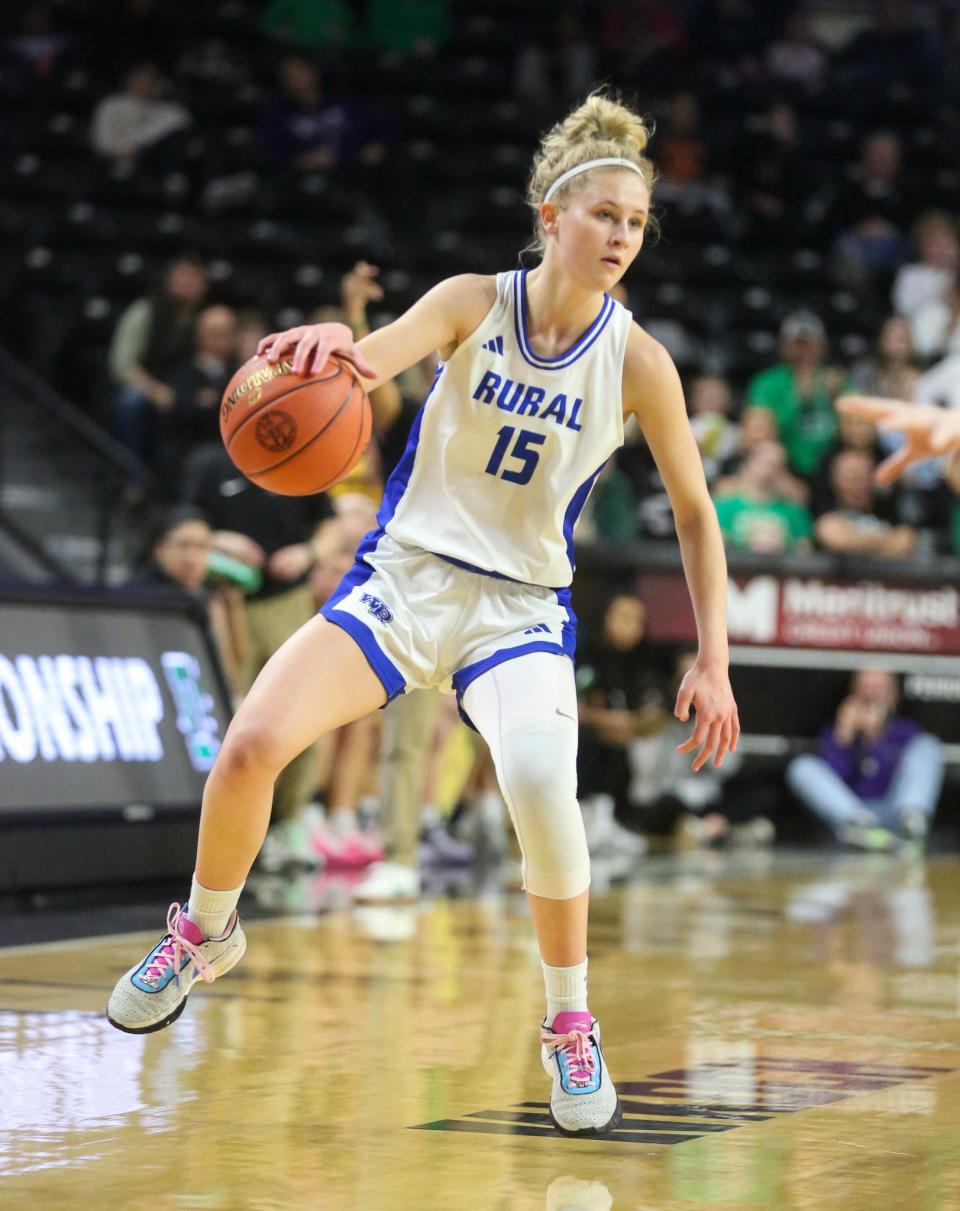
(809, 612)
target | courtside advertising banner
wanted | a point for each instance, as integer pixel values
(105, 705)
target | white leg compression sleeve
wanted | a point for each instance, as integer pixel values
(526, 710)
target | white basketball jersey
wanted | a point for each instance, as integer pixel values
(508, 444)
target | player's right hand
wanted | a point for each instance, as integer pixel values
(311, 346)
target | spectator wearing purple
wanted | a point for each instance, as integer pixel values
(301, 130)
(875, 774)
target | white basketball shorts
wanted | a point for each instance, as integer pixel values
(423, 620)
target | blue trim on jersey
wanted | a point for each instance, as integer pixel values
(392, 680)
(569, 634)
(579, 346)
(463, 678)
(400, 477)
(575, 508)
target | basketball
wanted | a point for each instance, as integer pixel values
(293, 434)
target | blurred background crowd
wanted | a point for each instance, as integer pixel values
(180, 180)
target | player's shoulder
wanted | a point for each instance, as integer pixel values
(468, 289)
(646, 360)
(464, 300)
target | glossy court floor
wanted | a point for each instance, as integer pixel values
(784, 1030)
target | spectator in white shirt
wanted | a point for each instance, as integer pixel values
(936, 326)
(928, 280)
(138, 123)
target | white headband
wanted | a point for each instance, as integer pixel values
(606, 162)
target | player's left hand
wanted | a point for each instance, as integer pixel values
(717, 730)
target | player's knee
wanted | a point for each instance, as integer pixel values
(252, 749)
(538, 769)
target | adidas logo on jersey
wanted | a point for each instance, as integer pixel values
(494, 344)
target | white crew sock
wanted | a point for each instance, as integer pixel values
(566, 989)
(210, 910)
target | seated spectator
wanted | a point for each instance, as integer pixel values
(666, 799)
(875, 773)
(756, 425)
(772, 183)
(895, 50)
(558, 66)
(927, 280)
(318, 26)
(870, 212)
(796, 57)
(710, 401)
(198, 383)
(178, 556)
(620, 698)
(755, 514)
(648, 36)
(892, 370)
(852, 526)
(800, 391)
(36, 52)
(252, 327)
(684, 157)
(137, 127)
(152, 335)
(936, 325)
(407, 27)
(304, 132)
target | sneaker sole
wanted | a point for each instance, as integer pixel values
(588, 1133)
(171, 1017)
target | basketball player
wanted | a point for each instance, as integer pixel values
(466, 582)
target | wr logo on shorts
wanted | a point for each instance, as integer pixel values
(377, 608)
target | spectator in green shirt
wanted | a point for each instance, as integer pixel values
(755, 515)
(800, 391)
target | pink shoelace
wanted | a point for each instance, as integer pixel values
(578, 1050)
(172, 950)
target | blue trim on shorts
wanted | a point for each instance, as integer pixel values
(464, 678)
(392, 680)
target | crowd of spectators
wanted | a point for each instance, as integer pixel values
(858, 224)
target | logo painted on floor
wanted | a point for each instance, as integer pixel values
(694, 1102)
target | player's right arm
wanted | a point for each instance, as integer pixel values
(441, 320)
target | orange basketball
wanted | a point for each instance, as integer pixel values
(295, 434)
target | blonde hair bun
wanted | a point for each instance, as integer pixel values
(601, 127)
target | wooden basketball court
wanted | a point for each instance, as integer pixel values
(783, 1030)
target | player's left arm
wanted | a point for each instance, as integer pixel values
(652, 391)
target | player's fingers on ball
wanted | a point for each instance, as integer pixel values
(303, 352)
(264, 343)
(321, 355)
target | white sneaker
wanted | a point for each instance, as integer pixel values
(387, 882)
(153, 993)
(583, 1100)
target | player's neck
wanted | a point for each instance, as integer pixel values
(558, 310)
